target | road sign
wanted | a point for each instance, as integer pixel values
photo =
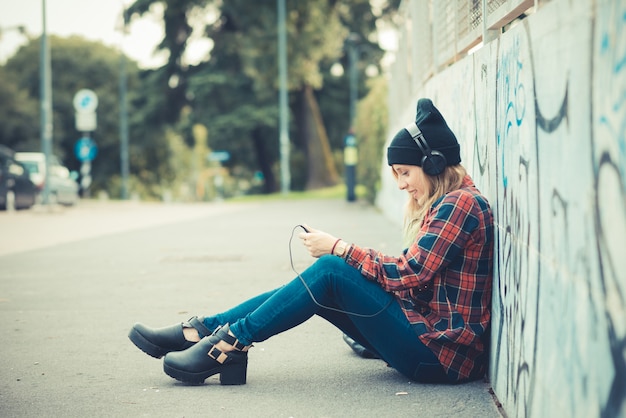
(85, 149)
(85, 100)
(220, 156)
(86, 121)
(86, 103)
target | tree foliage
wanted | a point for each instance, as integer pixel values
(233, 93)
(77, 63)
(372, 121)
(18, 114)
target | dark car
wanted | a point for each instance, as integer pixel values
(62, 186)
(17, 191)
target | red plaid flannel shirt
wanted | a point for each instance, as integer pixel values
(443, 280)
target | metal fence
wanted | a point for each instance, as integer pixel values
(434, 34)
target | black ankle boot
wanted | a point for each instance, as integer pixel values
(203, 360)
(157, 342)
(359, 349)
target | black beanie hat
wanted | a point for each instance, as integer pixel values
(404, 150)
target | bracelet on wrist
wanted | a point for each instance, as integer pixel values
(332, 250)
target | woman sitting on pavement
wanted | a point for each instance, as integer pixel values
(425, 312)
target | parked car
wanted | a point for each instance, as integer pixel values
(62, 187)
(17, 191)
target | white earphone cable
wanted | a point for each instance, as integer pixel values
(311, 293)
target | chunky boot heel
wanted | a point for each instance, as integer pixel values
(204, 360)
(235, 374)
(359, 349)
(157, 342)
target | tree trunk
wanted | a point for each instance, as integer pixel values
(321, 170)
(269, 180)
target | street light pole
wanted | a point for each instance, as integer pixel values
(352, 43)
(123, 87)
(285, 176)
(45, 89)
(350, 144)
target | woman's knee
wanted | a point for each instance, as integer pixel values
(329, 266)
(330, 262)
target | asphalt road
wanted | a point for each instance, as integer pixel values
(74, 280)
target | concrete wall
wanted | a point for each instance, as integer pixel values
(541, 116)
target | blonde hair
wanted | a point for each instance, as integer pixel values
(415, 211)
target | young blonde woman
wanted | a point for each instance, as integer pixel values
(426, 312)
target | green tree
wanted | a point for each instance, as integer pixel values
(234, 92)
(19, 113)
(77, 63)
(371, 124)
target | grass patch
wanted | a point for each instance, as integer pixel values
(335, 192)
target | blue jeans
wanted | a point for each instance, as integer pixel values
(337, 285)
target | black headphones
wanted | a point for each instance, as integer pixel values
(433, 162)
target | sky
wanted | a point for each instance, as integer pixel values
(93, 19)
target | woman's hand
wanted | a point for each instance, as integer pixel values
(317, 242)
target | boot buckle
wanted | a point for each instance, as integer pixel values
(217, 355)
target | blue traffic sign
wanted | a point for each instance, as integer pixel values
(85, 100)
(85, 149)
(220, 156)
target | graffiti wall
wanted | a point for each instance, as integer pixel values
(541, 117)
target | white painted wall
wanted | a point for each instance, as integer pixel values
(541, 116)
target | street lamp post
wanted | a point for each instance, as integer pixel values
(45, 89)
(123, 87)
(353, 48)
(284, 114)
(350, 143)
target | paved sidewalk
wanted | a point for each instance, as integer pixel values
(73, 281)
